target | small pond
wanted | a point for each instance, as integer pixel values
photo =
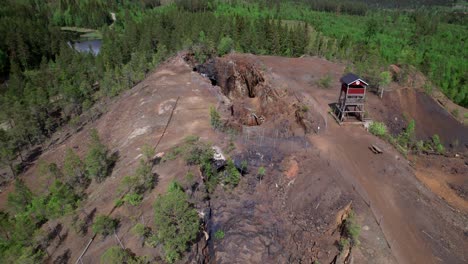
(91, 46)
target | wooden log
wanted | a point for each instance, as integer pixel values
(376, 149)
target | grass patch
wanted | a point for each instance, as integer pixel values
(78, 29)
(325, 81)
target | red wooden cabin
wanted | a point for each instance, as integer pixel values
(352, 97)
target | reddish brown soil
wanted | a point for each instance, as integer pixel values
(419, 226)
(446, 177)
(293, 214)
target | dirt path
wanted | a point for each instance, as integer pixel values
(419, 226)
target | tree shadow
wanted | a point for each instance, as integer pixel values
(155, 179)
(64, 258)
(113, 158)
(88, 220)
(54, 232)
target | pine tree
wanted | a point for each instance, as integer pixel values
(96, 161)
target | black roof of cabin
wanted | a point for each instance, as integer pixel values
(350, 78)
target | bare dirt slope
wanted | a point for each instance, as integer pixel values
(316, 171)
(136, 118)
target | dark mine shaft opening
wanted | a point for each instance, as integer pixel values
(213, 81)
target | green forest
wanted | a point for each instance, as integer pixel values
(46, 84)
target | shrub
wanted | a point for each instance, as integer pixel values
(49, 170)
(378, 129)
(244, 166)
(407, 138)
(215, 118)
(219, 234)
(261, 172)
(79, 225)
(116, 254)
(232, 175)
(118, 202)
(438, 146)
(343, 244)
(148, 153)
(141, 182)
(173, 153)
(352, 228)
(104, 225)
(176, 221)
(141, 231)
(199, 154)
(133, 199)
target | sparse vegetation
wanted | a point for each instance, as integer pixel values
(325, 81)
(215, 118)
(136, 185)
(437, 144)
(189, 177)
(343, 244)
(104, 225)
(176, 222)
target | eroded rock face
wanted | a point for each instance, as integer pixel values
(254, 100)
(237, 77)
